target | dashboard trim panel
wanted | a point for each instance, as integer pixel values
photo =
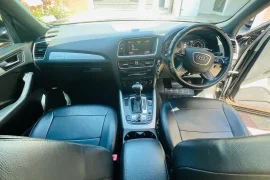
(75, 56)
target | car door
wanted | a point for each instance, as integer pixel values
(248, 87)
(16, 79)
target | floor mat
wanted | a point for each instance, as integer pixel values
(256, 124)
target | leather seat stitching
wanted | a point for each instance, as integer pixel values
(165, 129)
(227, 118)
(50, 125)
(176, 121)
(77, 139)
(103, 126)
(205, 131)
(79, 115)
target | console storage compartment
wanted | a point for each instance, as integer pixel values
(143, 159)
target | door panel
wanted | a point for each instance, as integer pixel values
(16, 78)
(8, 89)
(255, 89)
(249, 92)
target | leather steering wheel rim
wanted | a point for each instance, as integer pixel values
(228, 54)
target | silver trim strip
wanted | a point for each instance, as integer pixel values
(2, 71)
(74, 56)
(33, 51)
(139, 55)
(236, 55)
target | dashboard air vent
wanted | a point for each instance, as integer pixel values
(235, 48)
(140, 63)
(126, 64)
(40, 49)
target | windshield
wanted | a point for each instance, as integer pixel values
(73, 11)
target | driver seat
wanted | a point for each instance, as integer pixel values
(195, 118)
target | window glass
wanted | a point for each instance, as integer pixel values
(75, 11)
(259, 19)
(4, 36)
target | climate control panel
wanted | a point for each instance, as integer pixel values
(137, 70)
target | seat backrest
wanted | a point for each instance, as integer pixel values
(246, 158)
(30, 158)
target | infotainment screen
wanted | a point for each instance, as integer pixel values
(140, 46)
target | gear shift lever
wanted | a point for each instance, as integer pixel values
(137, 88)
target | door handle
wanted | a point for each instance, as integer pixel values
(8, 65)
(12, 61)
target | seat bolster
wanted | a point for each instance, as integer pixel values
(170, 134)
(231, 156)
(237, 126)
(109, 131)
(41, 128)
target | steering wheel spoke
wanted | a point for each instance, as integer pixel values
(198, 61)
(180, 70)
(223, 60)
(208, 76)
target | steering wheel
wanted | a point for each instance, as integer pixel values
(199, 60)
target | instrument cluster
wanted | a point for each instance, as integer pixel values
(188, 41)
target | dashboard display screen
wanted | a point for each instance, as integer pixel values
(142, 46)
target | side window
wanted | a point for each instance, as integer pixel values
(5, 38)
(261, 18)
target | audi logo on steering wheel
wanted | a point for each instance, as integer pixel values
(201, 58)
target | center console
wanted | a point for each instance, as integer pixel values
(137, 61)
(137, 68)
(142, 155)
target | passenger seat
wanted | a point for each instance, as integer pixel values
(31, 159)
(81, 124)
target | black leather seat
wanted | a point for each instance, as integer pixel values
(83, 124)
(191, 118)
(246, 158)
(31, 159)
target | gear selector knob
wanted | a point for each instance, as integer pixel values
(137, 88)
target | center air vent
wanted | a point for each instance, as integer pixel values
(140, 63)
(40, 49)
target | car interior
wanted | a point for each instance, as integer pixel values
(121, 99)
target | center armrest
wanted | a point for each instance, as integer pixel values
(143, 159)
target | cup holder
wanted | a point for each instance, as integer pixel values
(140, 134)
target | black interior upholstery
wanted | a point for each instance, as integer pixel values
(83, 124)
(243, 158)
(191, 118)
(143, 159)
(31, 159)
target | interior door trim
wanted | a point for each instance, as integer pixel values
(11, 110)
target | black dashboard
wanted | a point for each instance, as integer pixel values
(132, 51)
